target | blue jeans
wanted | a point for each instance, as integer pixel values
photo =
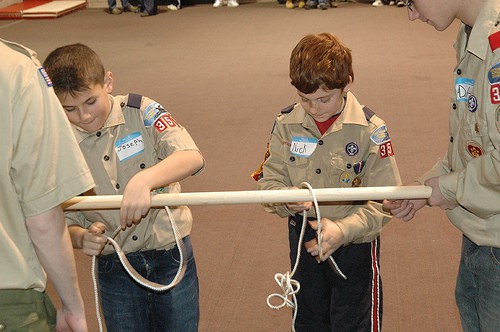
(112, 4)
(128, 306)
(477, 292)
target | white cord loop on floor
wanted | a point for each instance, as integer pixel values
(289, 286)
(153, 286)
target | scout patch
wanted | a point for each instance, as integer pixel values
(303, 146)
(495, 93)
(351, 149)
(164, 121)
(474, 149)
(151, 113)
(345, 179)
(463, 88)
(380, 135)
(472, 103)
(494, 40)
(129, 146)
(494, 74)
(386, 150)
(45, 76)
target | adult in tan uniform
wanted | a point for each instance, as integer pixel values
(466, 182)
(41, 167)
(133, 146)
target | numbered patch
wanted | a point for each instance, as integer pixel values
(164, 122)
(386, 150)
(495, 93)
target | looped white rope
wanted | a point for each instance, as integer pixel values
(153, 286)
(289, 286)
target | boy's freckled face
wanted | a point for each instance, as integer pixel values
(88, 109)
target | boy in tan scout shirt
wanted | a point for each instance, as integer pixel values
(329, 140)
(133, 146)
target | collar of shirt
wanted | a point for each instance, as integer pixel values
(485, 21)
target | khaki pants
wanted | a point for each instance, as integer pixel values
(26, 311)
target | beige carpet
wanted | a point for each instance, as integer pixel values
(223, 73)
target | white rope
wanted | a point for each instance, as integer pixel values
(153, 286)
(289, 286)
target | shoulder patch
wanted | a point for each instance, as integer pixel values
(152, 112)
(368, 113)
(288, 109)
(380, 135)
(134, 100)
(494, 40)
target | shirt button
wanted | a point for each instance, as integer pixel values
(320, 142)
(459, 71)
(454, 106)
(134, 237)
(106, 158)
(117, 186)
(318, 171)
(122, 104)
(142, 166)
(451, 139)
(98, 134)
(292, 158)
(348, 166)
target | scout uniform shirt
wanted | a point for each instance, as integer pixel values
(355, 151)
(470, 172)
(138, 133)
(41, 165)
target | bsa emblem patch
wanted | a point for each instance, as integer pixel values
(351, 149)
(474, 149)
(472, 103)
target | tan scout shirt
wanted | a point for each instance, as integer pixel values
(133, 139)
(355, 151)
(470, 172)
(40, 164)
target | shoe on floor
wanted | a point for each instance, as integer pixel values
(115, 11)
(322, 5)
(218, 3)
(289, 4)
(377, 3)
(172, 7)
(400, 4)
(302, 4)
(310, 4)
(146, 14)
(392, 3)
(232, 3)
(130, 8)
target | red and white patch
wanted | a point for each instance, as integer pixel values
(164, 122)
(386, 150)
(494, 40)
(495, 93)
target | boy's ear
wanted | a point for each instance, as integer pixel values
(108, 82)
(347, 88)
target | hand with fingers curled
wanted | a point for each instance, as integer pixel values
(332, 238)
(298, 206)
(93, 240)
(136, 202)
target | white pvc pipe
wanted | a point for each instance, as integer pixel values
(257, 196)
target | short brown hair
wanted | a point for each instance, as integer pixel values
(320, 61)
(74, 68)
